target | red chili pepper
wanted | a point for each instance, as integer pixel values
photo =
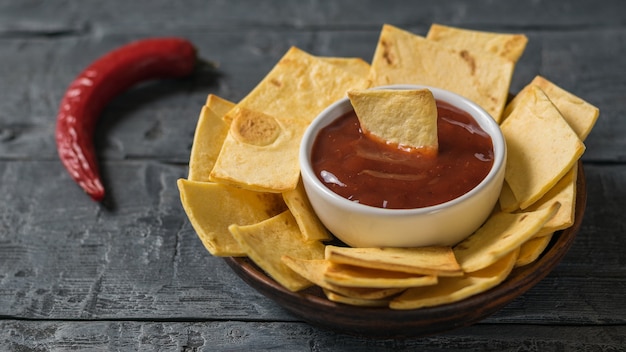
(100, 82)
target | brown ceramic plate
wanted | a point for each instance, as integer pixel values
(312, 306)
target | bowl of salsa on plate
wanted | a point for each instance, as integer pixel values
(372, 193)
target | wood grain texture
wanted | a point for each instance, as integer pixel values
(279, 336)
(585, 62)
(72, 259)
(132, 274)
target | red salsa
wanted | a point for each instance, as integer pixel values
(371, 172)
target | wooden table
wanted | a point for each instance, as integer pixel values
(132, 275)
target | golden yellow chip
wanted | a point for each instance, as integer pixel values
(405, 58)
(439, 261)
(212, 207)
(335, 297)
(211, 130)
(310, 225)
(220, 106)
(501, 234)
(454, 289)
(542, 147)
(564, 192)
(579, 114)
(210, 133)
(508, 202)
(354, 65)
(532, 249)
(407, 118)
(300, 86)
(260, 152)
(509, 46)
(354, 276)
(313, 270)
(266, 242)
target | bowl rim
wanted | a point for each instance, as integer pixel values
(456, 100)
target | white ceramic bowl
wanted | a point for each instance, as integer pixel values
(445, 224)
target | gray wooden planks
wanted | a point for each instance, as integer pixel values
(63, 257)
(133, 275)
(35, 75)
(280, 336)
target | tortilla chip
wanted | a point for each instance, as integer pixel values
(266, 242)
(454, 289)
(354, 65)
(310, 225)
(360, 302)
(313, 270)
(220, 106)
(210, 133)
(260, 152)
(542, 147)
(532, 249)
(508, 202)
(354, 276)
(439, 261)
(212, 207)
(564, 192)
(407, 118)
(274, 116)
(501, 234)
(579, 114)
(508, 46)
(299, 87)
(403, 57)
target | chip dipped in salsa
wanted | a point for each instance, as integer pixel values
(369, 171)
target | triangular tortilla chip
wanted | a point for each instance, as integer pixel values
(509, 46)
(355, 276)
(438, 261)
(212, 207)
(508, 202)
(407, 118)
(542, 147)
(274, 116)
(579, 114)
(310, 225)
(564, 192)
(532, 249)
(454, 289)
(501, 234)
(403, 57)
(313, 270)
(360, 302)
(266, 242)
(210, 133)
